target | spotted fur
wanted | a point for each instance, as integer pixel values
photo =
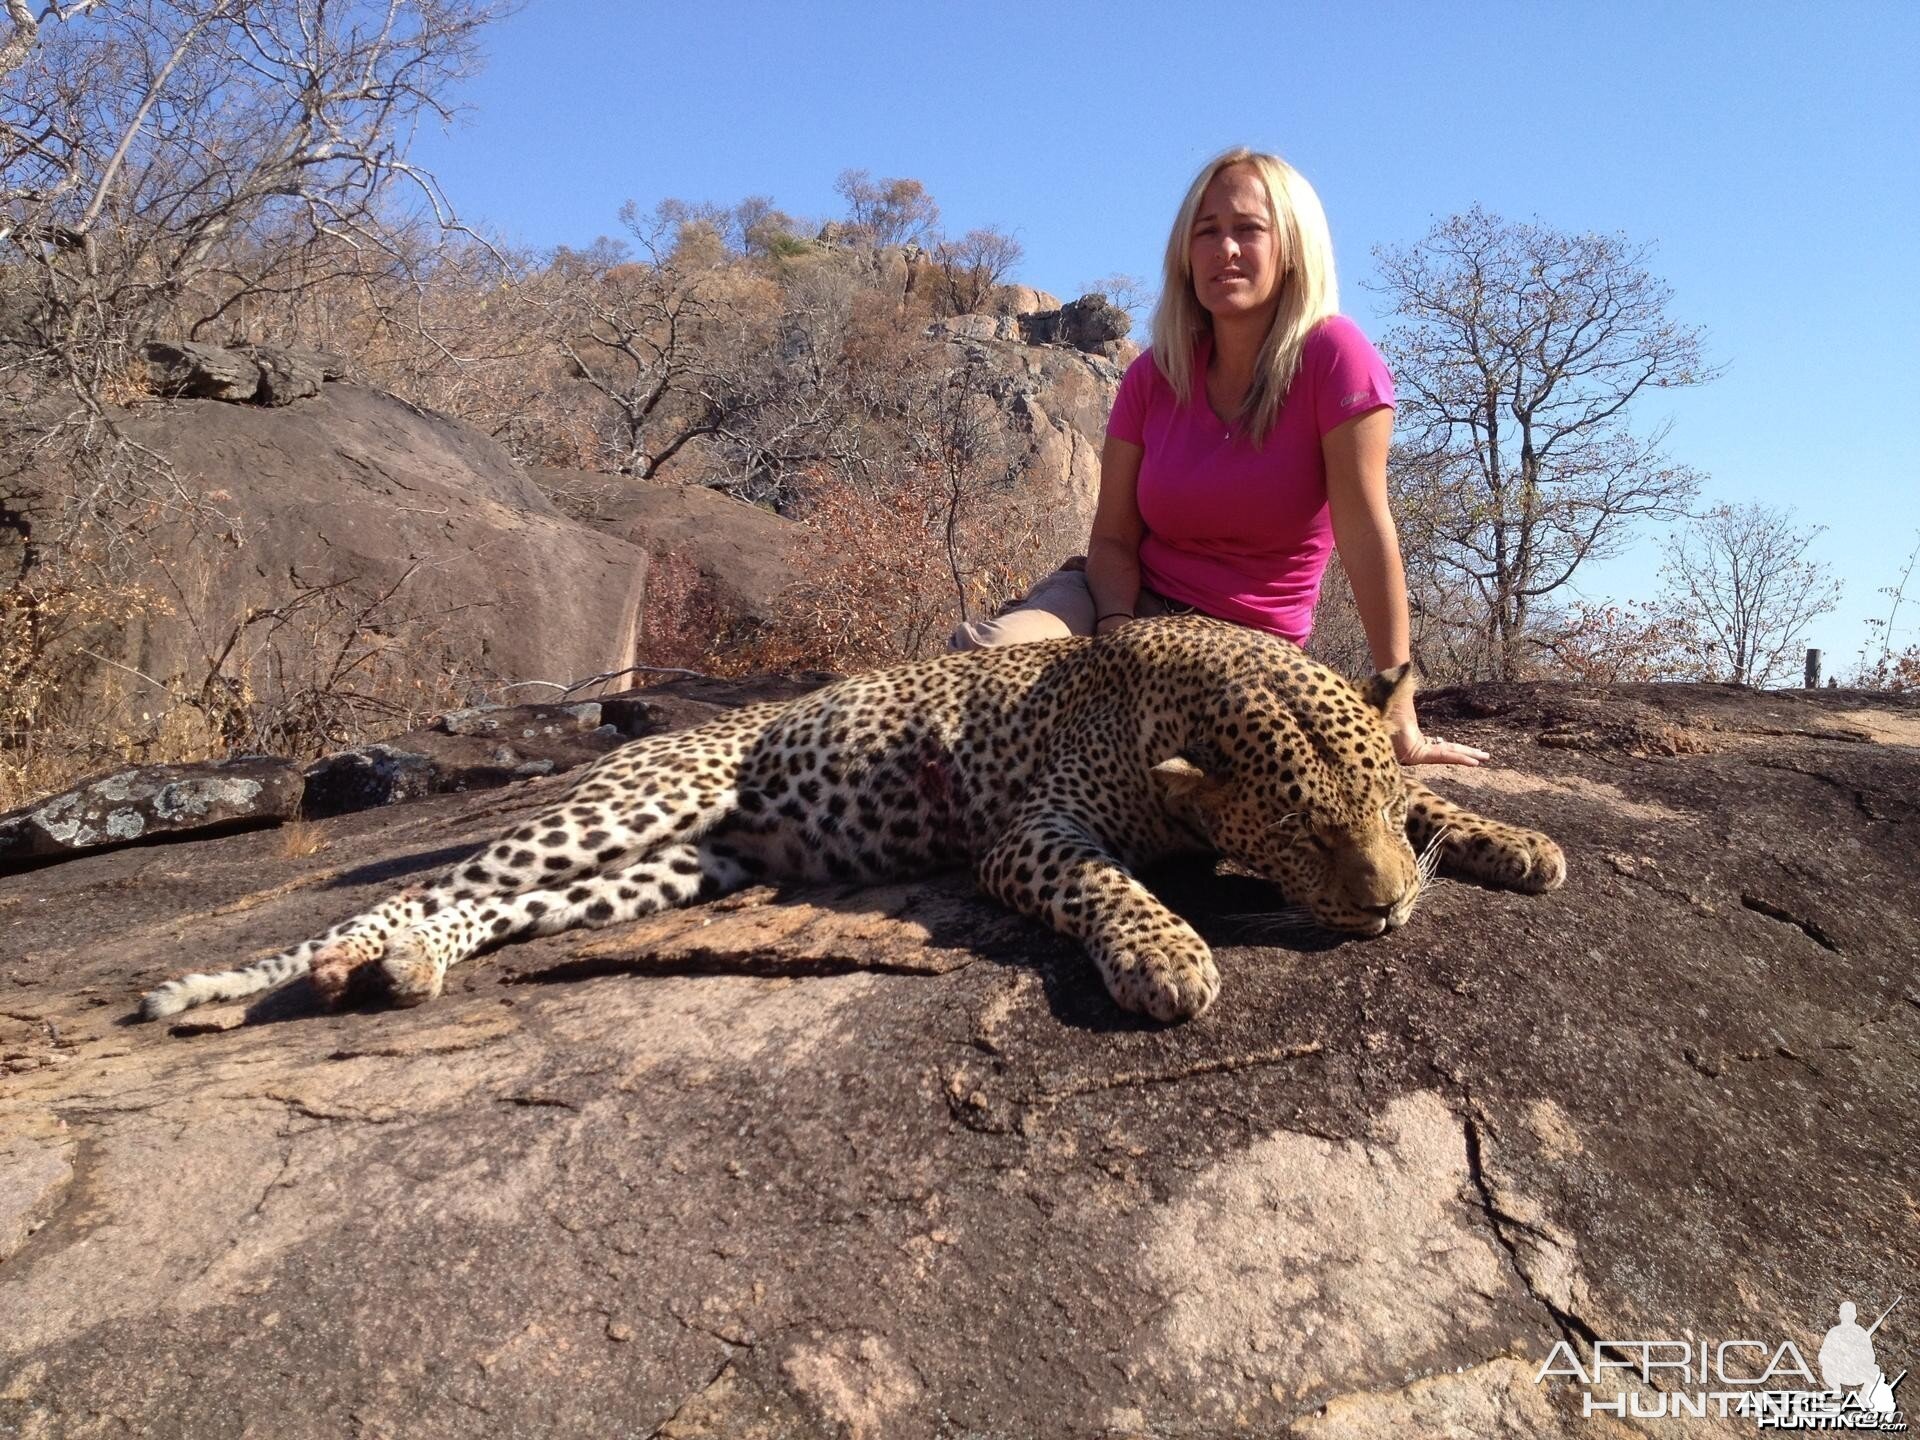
(1056, 770)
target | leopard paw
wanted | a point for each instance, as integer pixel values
(1513, 859)
(1161, 982)
(332, 968)
(410, 974)
(1538, 863)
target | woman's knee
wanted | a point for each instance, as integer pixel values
(1059, 606)
(1016, 627)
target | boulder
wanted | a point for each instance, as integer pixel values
(484, 579)
(1057, 401)
(689, 700)
(368, 776)
(1086, 324)
(974, 327)
(1016, 300)
(202, 372)
(286, 375)
(152, 802)
(742, 558)
(521, 722)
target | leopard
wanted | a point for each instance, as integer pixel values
(1058, 770)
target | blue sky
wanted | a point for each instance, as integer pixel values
(1771, 151)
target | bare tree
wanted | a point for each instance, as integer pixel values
(1520, 350)
(793, 414)
(1881, 666)
(148, 136)
(955, 436)
(1126, 292)
(972, 267)
(765, 230)
(1739, 580)
(888, 212)
(162, 160)
(634, 330)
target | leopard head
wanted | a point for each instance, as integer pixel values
(1300, 785)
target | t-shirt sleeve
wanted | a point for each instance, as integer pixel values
(1352, 378)
(1129, 419)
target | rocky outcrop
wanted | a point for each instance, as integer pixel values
(154, 802)
(1016, 300)
(1056, 372)
(886, 1162)
(1086, 324)
(1057, 401)
(262, 374)
(477, 749)
(1089, 324)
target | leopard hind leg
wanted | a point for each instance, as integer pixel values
(416, 961)
(331, 957)
(629, 806)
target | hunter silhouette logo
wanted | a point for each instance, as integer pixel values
(1768, 1381)
(1847, 1362)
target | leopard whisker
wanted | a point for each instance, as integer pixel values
(1427, 863)
(1292, 919)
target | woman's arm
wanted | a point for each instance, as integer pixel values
(1113, 550)
(1369, 546)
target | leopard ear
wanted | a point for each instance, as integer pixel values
(1182, 780)
(1389, 688)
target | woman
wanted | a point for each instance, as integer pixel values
(1214, 494)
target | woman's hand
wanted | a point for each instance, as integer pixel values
(1413, 748)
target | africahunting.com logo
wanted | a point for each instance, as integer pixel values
(1770, 1382)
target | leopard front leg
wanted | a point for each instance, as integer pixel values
(1482, 849)
(1153, 962)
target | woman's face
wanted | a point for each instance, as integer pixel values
(1233, 251)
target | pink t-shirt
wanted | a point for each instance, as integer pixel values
(1239, 532)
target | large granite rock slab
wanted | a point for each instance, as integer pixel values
(482, 577)
(886, 1162)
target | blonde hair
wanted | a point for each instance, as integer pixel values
(1309, 293)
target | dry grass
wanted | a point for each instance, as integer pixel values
(127, 384)
(301, 838)
(329, 667)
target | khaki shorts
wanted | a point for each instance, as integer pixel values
(1060, 605)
